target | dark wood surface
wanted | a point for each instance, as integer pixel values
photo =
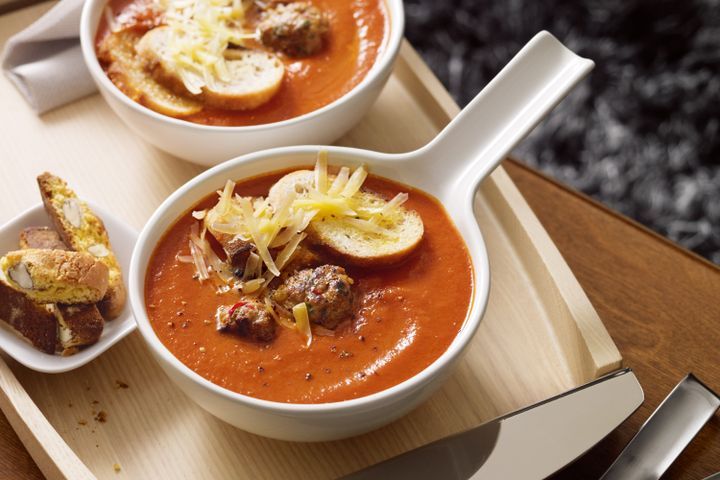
(658, 301)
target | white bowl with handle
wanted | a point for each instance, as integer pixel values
(450, 168)
(210, 145)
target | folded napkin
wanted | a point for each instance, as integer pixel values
(45, 62)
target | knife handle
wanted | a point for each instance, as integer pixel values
(666, 433)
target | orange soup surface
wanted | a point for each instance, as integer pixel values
(357, 36)
(406, 316)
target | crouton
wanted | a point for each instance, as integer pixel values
(254, 76)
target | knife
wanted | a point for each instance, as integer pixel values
(667, 432)
(531, 443)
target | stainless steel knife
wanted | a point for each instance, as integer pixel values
(531, 443)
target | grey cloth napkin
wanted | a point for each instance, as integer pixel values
(45, 62)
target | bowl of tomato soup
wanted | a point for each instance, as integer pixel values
(206, 81)
(355, 328)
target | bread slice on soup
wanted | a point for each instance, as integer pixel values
(126, 69)
(395, 237)
(254, 77)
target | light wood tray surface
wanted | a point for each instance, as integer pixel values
(540, 335)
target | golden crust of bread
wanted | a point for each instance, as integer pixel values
(255, 76)
(56, 276)
(127, 71)
(87, 235)
(355, 246)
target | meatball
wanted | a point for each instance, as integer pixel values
(249, 318)
(296, 29)
(326, 290)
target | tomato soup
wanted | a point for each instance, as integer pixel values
(405, 316)
(358, 31)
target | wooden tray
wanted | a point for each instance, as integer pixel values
(540, 334)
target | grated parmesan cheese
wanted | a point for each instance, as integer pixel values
(200, 32)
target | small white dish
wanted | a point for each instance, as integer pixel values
(123, 239)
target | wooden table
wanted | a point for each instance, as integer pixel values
(658, 301)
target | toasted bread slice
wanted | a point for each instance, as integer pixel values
(395, 238)
(83, 231)
(300, 182)
(41, 237)
(34, 322)
(56, 276)
(125, 68)
(367, 248)
(255, 76)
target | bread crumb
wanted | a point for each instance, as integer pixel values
(101, 416)
(82, 422)
(116, 467)
(119, 384)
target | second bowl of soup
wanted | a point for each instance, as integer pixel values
(207, 80)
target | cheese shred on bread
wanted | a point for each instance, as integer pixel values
(370, 248)
(391, 238)
(253, 77)
(83, 231)
(56, 276)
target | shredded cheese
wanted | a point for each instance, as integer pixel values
(302, 322)
(276, 230)
(199, 33)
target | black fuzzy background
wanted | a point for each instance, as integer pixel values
(641, 134)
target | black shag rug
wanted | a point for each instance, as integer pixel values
(642, 133)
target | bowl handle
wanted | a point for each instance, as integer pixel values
(503, 113)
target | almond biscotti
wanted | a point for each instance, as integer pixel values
(41, 237)
(34, 322)
(83, 231)
(56, 276)
(77, 325)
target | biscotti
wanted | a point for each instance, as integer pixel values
(77, 325)
(41, 237)
(83, 231)
(56, 276)
(34, 322)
